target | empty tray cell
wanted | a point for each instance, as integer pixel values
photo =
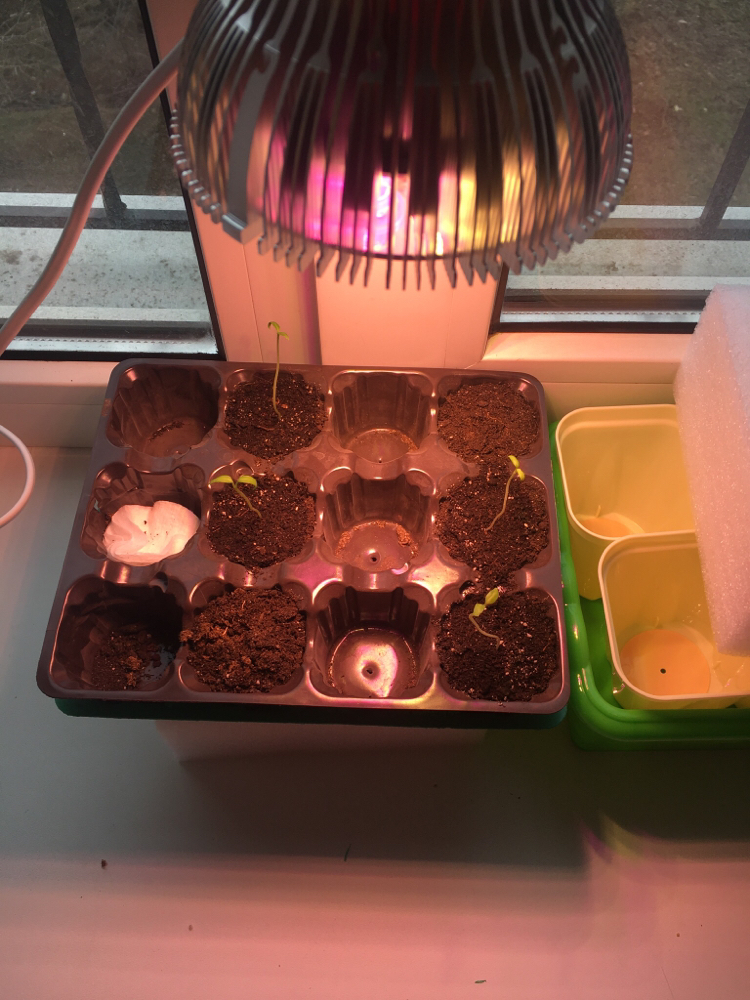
(119, 485)
(381, 416)
(370, 644)
(162, 411)
(484, 419)
(114, 637)
(375, 524)
(243, 641)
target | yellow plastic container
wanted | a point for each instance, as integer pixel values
(660, 637)
(623, 474)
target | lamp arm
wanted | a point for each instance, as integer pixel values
(118, 132)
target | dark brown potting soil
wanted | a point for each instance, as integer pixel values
(124, 658)
(515, 540)
(520, 667)
(484, 422)
(251, 421)
(285, 524)
(246, 640)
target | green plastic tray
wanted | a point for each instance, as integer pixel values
(596, 720)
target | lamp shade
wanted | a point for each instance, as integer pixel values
(458, 133)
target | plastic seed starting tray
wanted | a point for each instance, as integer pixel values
(373, 574)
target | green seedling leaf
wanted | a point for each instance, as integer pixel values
(235, 484)
(492, 597)
(478, 609)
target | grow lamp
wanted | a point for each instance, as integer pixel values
(467, 132)
(472, 132)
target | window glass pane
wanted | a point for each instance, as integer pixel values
(135, 263)
(651, 261)
(690, 65)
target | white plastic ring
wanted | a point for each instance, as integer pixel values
(28, 461)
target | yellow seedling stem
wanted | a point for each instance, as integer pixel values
(279, 334)
(517, 471)
(491, 598)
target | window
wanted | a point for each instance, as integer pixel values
(133, 284)
(684, 222)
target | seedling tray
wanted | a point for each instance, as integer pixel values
(597, 721)
(378, 468)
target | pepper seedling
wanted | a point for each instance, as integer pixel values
(517, 471)
(481, 606)
(279, 334)
(235, 484)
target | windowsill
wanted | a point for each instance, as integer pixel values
(51, 403)
(589, 357)
(144, 282)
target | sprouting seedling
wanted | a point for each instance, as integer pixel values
(279, 334)
(517, 471)
(235, 484)
(481, 606)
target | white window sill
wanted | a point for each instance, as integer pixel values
(58, 403)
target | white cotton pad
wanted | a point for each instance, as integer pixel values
(140, 536)
(712, 392)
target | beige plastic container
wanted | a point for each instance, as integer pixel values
(623, 474)
(660, 636)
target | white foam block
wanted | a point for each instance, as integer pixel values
(712, 391)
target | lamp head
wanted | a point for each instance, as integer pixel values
(459, 133)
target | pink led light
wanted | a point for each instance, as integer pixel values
(382, 185)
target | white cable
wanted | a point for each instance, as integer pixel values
(118, 132)
(101, 161)
(28, 461)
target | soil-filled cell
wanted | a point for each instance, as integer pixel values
(114, 637)
(119, 485)
(164, 411)
(484, 420)
(494, 544)
(381, 416)
(259, 526)
(515, 656)
(243, 641)
(370, 645)
(251, 421)
(375, 524)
